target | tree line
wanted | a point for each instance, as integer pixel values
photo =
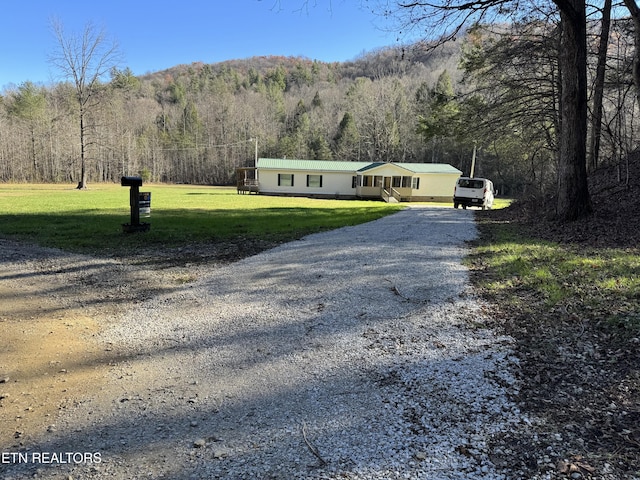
(495, 90)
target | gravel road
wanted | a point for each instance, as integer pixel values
(359, 353)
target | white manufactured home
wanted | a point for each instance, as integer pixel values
(401, 182)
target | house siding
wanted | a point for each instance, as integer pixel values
(334, 184)
(436, 181)
(435, 188)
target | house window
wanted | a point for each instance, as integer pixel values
(285, 179)
(395, 183)
(354, 182)
(314, 181)
(377, 181)
(406, 182)
(367, 181)
(415, 183)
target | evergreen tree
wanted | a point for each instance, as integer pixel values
(346, 139)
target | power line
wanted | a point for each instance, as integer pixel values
(198, 147)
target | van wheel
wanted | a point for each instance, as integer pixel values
(455, 205)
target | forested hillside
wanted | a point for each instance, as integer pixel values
(196, 123)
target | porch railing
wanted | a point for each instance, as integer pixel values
(247, 185)
(391, 195)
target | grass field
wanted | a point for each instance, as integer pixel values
(90, 221)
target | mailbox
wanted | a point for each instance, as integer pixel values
(131, 181)
(134, 202)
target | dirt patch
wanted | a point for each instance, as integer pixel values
(47, 361)
(53, 305)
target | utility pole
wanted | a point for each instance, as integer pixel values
(473, 162)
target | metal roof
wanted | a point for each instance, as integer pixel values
(344, 166)
(430, 168)
(324, 165)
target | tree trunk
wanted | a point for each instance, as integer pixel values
(82, 184)
(634, 10)
(34, 156)
(598, 91)
(573, 192)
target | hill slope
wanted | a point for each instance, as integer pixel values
(417, 59)
(615, 196)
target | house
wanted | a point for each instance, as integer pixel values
(392, 182)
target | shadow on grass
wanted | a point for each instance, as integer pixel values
(101, 233)
(573, 311)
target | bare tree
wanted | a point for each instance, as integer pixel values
(599, 85)
(84, 59)
(29, 104)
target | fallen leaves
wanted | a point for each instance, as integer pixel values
(578, 343)
(576, 464)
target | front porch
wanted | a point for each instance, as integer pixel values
(391, 189)
(247, 180)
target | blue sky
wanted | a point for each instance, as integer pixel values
(155, 34)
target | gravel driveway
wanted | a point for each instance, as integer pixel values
(359, 353)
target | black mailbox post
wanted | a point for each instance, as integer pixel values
(134, 198)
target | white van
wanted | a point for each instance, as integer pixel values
(473, 192)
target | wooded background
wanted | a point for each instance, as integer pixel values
(495, 89)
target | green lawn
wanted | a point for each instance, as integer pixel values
(90, 221)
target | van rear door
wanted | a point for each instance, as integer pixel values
(469, 192)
